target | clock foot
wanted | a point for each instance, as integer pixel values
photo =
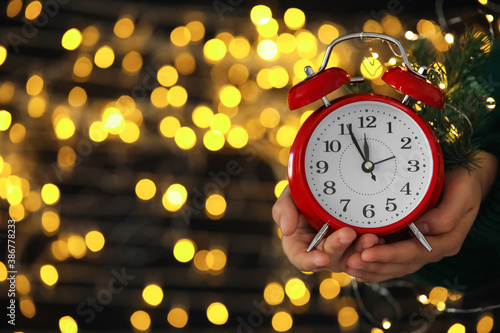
(420, 237)
(319, 236)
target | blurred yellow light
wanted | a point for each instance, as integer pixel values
(7, 90)
(278, 77)
(169, 126)
(33, 9)
(50, 221)
(177, 96)
(174, 197)
(113, 120)
(295, 288)
(130, 133)
(215, 206)
(83, 67)
(200, 260)
(185, 63)
(329, 288)
(286, 43)
(213, 140)
(159, 97)
(342, 278)
(263, 78)
(274, 293)
(371, 68)
(280, 186)
(64, 128)
(167, 76)
(483, 2)
(230, 96)
(391, 25)
(14, 195)
(3, 272)
(305, 115)
(185, 138)
(409, 35)
(152, 294)
(23, 285)
(104, 57)
(217, 313)
(94, 241)
(90, 36)
(221, 123)
(376, 330)
(98, 132)
(285, 135)
(184, 250)
(202, 116)
(71, 39)
(17, 212)
(140, 320)
(180, 36)
(68, 325)
(132, 62)
(347, 316)
(237, 137)
(373, 26)
(485, 323)
(282, 321)
(214, 50)
(124, 27)
(37, 106)
(34, 85)
(239, 47)
(426, 27)
(386, 324)
(14, 8)
(489, 17)
(307, 45)
(238, 74)
(76, 246)
(49, 275)
(437, 295)
(197, 30)
(177, 317)
(5, 120)
(268, 29)
(33, 201)
(302, 300)
(216, 259)
(327, 33)
(27, 307)
(456, 328)
(294, 18)
(77, 97)
(59, 249)
(270, 118)
(267, 49)
(145, 189)
(50, 194)
(3, 54)
(260, 14)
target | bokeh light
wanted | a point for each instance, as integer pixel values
(217, 313)
(184, 250)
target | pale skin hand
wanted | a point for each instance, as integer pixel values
(370, 260)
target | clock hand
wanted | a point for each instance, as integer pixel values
(366, 150)
(389, 158)
(367, 166)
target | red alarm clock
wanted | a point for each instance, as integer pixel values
(365, 161)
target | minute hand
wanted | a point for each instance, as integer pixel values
(349, 127)
(387, 159)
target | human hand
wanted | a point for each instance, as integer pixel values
(445, 227)
(331, 254)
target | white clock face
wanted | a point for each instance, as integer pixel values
(368, 164)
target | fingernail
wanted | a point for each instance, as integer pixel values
(367, 258)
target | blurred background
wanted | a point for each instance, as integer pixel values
(143, 144)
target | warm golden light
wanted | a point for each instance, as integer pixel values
(282, 321)
(77, 247)
(294, 18)
(215, 206)
(169, 126)
(98, 131)
(213, 140)
(280, 186)
(5, 120)
(260, 14)
(327, 33)
(197, 30)
(50, 221)
(145, 189)
(167, 76)
(49, 275)
(23, 285)
(237, 137)
(94, 240)
(295, 288)
(177, 96)
(152, 294)
(27, 307)
(184, 250)
(83, 67)
(267, 49)
(177, 317)
(216, 259)
(159, 97)
(34, 85)
(220, 123)
(214, 50)
(3, 54)
(132, 62)
(456, 328)
(185, 138)
(268, 29)
(230, 96)
(33, 10)
(285, 135)
(180, 36)
(286, 43)
(239, 47)
(347, 316)
(14, 8)
(77, 97)
(140, 320)
(72, 39)
(104, 57)
(68, 325)
(202, 116)
(485, 323)
(124, 27)
(50, 194)
(274, 293)
(217, 313)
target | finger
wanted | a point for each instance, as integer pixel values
(406, 251)
(382, 272)
(285, 213)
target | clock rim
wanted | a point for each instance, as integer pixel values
(304, 199)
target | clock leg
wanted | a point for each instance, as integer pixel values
(319, 236)
(420, 237)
